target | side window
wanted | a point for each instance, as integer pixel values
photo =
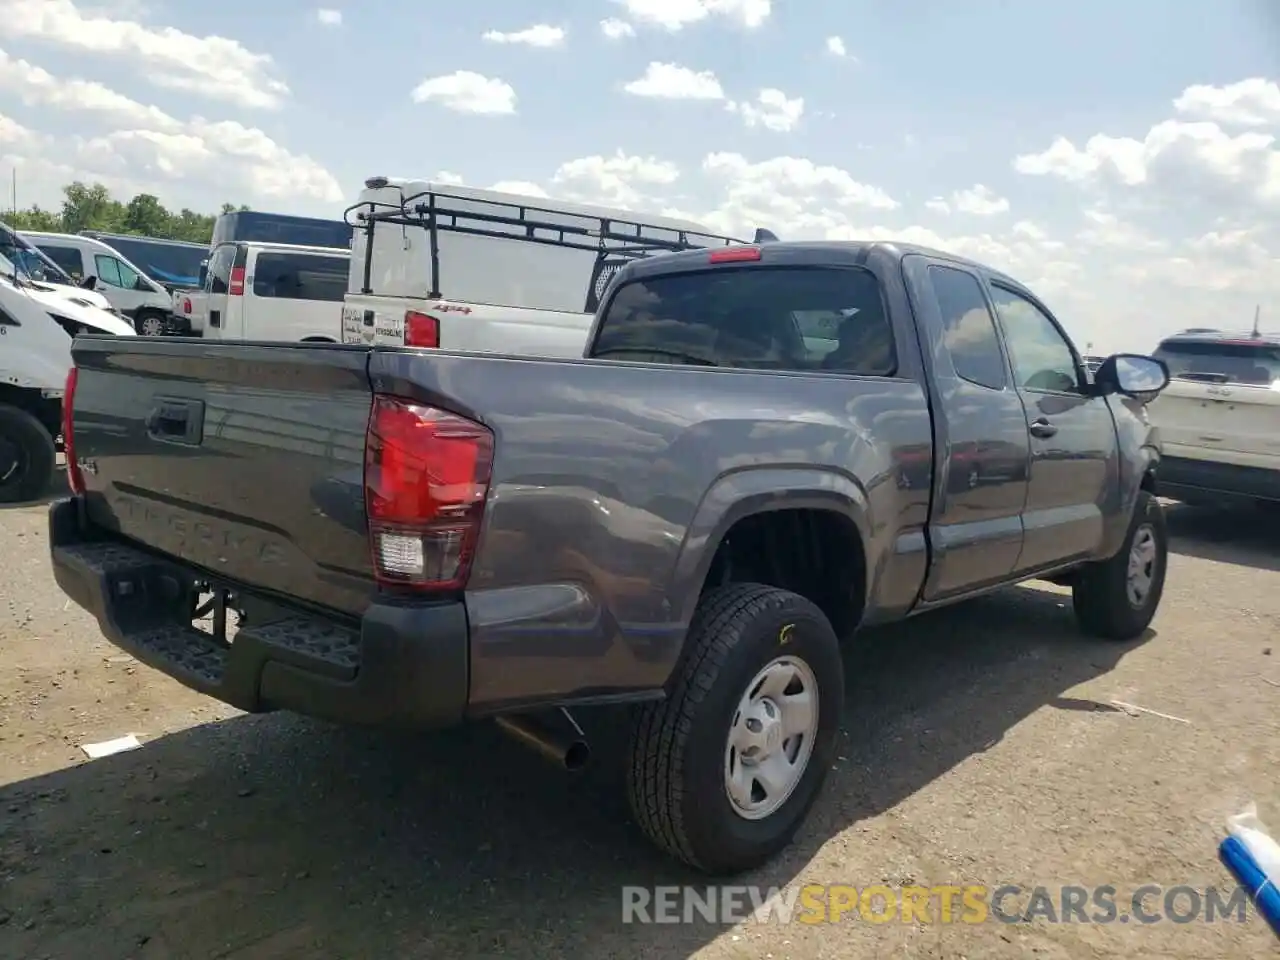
(68, 258)
(220, 268)
(108, 270)
(129, 277)
(969, 331)
(1042, 357)
(292, 276)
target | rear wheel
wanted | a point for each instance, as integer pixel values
(27, 456)
(1117, 598)
(724, 771)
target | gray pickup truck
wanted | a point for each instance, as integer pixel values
(764, 449)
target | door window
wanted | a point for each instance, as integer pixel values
(969, 331)
(1043, 358)
(115, 273)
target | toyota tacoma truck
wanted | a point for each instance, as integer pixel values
(763, 449)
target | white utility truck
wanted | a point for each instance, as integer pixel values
(456, 268)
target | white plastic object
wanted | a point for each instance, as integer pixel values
(1252, 832)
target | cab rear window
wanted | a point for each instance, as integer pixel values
(753, 317)
(1257, 364)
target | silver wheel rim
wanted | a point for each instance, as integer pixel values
(771, 738)
(152, 327)
(1142, 565)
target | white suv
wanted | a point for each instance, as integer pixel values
(1219, 418)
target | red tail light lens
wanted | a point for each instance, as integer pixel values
(421, 330)
(236, 287)
(186, 304)
(426, 477)
(734, 255)
(75, 479)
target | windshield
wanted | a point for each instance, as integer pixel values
(30, 262)
(1224, 362)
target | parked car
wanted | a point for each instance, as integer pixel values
(763, 449)
(1220, 417)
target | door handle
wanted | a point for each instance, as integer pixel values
(1042, 428)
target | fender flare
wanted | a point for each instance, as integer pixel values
(750, 491)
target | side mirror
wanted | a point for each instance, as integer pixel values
(1133, 375)
(142, 284)
(89, 282)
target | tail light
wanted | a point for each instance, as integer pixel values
(236, 286)
(734, 255)
(186, 304)
(421, 330)
(75, 479)
(426, 477)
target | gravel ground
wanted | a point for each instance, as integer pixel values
(980, 747)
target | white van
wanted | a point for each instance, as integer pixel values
(269, 291)
(146, 303)
(36, 330)
(439, 265)
(33, 265)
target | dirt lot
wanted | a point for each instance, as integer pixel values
(980, 747)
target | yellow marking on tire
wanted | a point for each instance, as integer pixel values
(784, 635)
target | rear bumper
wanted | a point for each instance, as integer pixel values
(1205, 481)
(401, 665)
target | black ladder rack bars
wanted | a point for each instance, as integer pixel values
(604, 238)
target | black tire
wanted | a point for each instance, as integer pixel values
(1100, 596)
(676, 773)
(26, 475)
(140, 320)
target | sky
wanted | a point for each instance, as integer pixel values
(1119, 158)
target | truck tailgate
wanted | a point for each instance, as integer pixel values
(243, 459)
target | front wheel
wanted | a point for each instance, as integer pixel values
(1117, 599)
(724, 771)
(27, 456)
(150, 325)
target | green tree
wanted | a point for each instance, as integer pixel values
(90, 206)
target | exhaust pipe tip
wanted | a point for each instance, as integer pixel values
(562, 742)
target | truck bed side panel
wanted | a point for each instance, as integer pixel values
(270, 495)
(601, 469)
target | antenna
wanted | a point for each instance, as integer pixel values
(1257, 313)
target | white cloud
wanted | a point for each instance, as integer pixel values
(836, 47)
(539, 35)
(978, 200)
(522, 188)
(1253, 102)
(148, 148)
(670, 81)
(772, 110)
(212, 66)
(329, 18)
(621, 180)
(13, 134)
(677, 14)
(38, 88)
(616, 29)
(467, 92)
